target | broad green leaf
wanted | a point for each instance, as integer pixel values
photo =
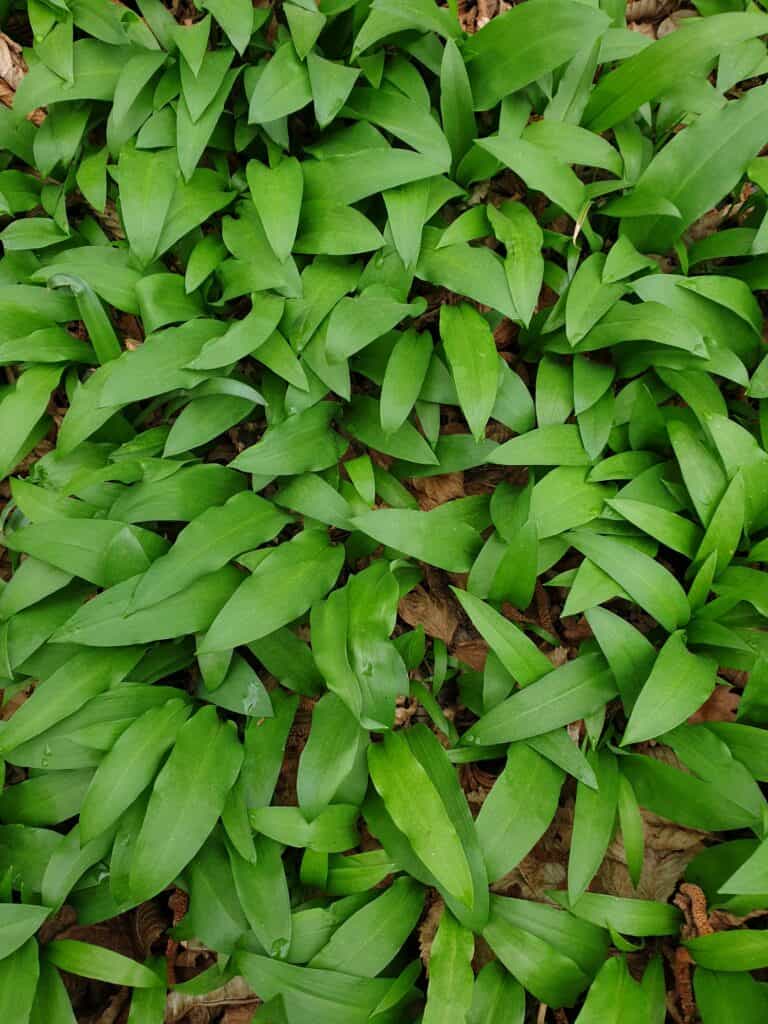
(497, 997)
(671, 529)
(614, 996)
(403, 378)
(18, 922)
(21, 409)
(572, 691)
(444, 537)
(657, 68)
(301, 443)
(277, 193)
(630, 916)
(282, 88)
(330, 84)
(647, 582)
(130, 766)
(84, 676)
(98, 962)
(519, 47)
(449, 993)
(207, 544)
(456, 103)
(517, 229)
(518, 809)
(540, 170)
(186, 800)
(730, 951)
(147, 183)
(106, 621)
(281, 588)
(593, 823)
(18, 980)
(557, 444)
(367, 941)
(724, 998)
(335, 746)
(415, 806)
(262, 890)
(82, 547)
(519, 655)
(691, 172)
(630, 655)
(473, 361)
(661, 704)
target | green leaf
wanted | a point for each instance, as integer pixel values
(540, 945)
(281, 588)
(403, 378)
(690, 171)
(443, 537)
(367, 941)
(262, 890)
(572, 691)
(659, 67)
(301, 443)
(539, 170)
(99, 963)
(18, 982)
(730, 951)
(335, 746)
(415, 806)
(473, 361)
(726, 998)
(207, 544)
(630, 655)
(647, 582)
(588, 298)
(282, 88)
(673, 530)
(456, 104)
(517, 229)
(449, 993)
(403, 118)
(84, 676)
(21, 409)
(331, 84)
(519, 655)
(96, 69)
(518, 809)
(186, 800)
(130, 766)
(594, 820)
(18, 922)
(553, 445)
(277, 192)
(614, 996)
(524, 44)
(356, 322)
(147, 183)
(661, 706)
(630, 916)
(497, 997)
(105, 621)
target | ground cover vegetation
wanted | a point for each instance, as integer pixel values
(383, 434)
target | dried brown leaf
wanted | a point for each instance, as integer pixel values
(435, 613)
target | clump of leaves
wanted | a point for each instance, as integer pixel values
(386, 442)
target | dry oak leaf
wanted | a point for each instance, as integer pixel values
(235, 993)
(721, 706)
(437, 615)
(432, 491)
